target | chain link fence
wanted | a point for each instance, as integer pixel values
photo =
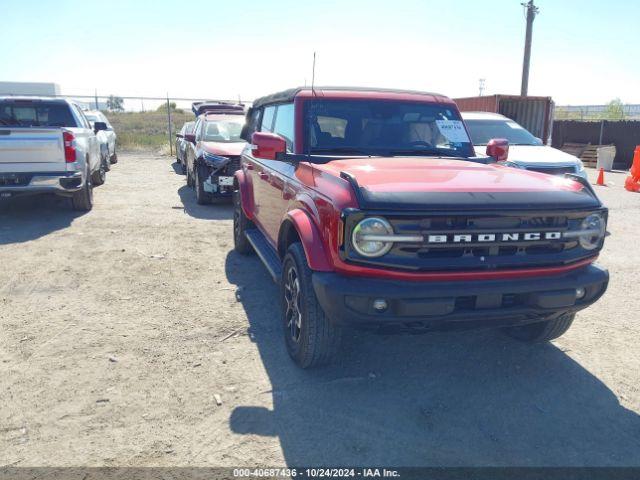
(141, 122)
(595, 113)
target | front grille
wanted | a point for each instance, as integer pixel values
(232, 167)
(472, 250)
(553, 170)
(15, 179)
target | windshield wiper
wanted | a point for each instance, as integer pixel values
(424, 152)
(339, 150)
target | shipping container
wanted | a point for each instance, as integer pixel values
(533, 113)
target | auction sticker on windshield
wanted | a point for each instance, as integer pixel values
(453, 130)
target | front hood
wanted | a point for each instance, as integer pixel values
(224, 149)
(419, 183)
(535, 155)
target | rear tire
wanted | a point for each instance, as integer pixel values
(105, 160)
(82, 200)
(542, 331)
(202, 197)
(240, 225)
(311, 338)
(114, 157)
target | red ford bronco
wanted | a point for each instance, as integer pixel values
(369, 209)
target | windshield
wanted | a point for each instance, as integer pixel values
(223, 131)
(32, 114)
(379, 127)
(482, 131)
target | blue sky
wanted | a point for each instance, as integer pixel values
(584, 52)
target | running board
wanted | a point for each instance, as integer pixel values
(266, 253)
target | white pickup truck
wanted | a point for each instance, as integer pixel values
(48, 146)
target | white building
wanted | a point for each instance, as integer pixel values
(29, 88)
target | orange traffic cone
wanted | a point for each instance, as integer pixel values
(632, 183)
(600, 180)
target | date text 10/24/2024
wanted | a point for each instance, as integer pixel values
(315, 473)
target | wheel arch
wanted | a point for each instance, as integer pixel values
(246, 199)
(298, 226)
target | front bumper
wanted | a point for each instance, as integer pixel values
(454, 305)
(61, 183)
(219, 185)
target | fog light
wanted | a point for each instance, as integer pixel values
(380, 304)
(580, 292)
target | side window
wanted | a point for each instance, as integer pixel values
(284, 125)
(197, 130)
(84, 119)
(104, 119)
(81, 120)
(253, 123)
(267, 119)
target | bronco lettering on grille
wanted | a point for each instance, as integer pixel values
(493, 237)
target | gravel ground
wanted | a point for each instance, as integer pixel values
(134, 336)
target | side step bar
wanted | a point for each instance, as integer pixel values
(266, 253)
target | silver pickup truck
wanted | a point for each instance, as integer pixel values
(48, 146)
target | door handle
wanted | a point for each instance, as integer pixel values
(249, 166)
(263, 176)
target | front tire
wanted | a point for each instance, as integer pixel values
(189, 175)
(82, 200)
(202, 197)
(105, 161)
(542, 331)
(99, 176)
(240, 225)
(311, 338)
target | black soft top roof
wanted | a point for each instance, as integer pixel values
(288, 95)
(199, 108)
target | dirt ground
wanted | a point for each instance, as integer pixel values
(134, 336)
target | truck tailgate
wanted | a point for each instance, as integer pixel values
(31, 145)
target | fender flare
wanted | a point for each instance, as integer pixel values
(310, 237)
(246, 199)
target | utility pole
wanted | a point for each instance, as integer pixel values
(96, 97)
(481, 86)
(531, 11)
(169, 124)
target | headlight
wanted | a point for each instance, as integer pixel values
(364, 235)
(592, 231)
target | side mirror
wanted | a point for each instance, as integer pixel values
(190, 137)
(267, 145)
(179, 135)
(98, 126)
(498, 148)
